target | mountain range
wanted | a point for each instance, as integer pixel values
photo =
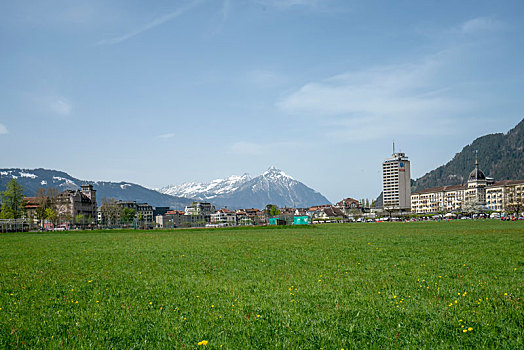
(272, 187)
(33, 179)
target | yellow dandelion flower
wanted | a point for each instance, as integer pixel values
(464, 330)
(470, 329)
(150, 303)
(258, 315)
(505, 293)
(203, 342)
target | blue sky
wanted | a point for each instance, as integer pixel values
(164, 92)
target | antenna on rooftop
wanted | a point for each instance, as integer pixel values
(393, 146)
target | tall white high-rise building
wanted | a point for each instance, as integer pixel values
(396, 181)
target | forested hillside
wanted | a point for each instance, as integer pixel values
(500, 156)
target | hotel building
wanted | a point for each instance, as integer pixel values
(396, 181)
(480, 192)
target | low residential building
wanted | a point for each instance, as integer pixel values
(348, 206)
(200, 212)
(251, 216)
(31, 204)
(173, 219)
(329, 214)
(224, 217)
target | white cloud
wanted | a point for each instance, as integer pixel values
(156, 22)
(166, 136)
(481, 25)
(388, 90)
(3, 129)
(61, 106)
(398, 99)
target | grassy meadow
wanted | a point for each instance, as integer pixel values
(374, 285)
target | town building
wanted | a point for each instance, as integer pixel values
(145, 212)
(204, 208)
(31, 205)
(173, 219)
(480, 193)
(349, 206)
(224, 217)
(73, 203)
(396, 181)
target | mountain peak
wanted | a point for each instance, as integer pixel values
(273, 186)
(273, 172)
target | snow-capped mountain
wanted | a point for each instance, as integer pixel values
(206, 191)
(33, 179)
(272, 187)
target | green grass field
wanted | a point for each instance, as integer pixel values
(389, 285)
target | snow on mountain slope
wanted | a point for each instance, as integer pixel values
(206, 191)
(272, 187)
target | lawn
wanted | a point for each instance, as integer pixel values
(371, 285)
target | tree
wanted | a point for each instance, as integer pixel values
(272, 210)
(110, 211)
(43, 204)
(127, 215)
(46, 199)
(473, 207)
(12, 199)
(80, 219)
(51, 215)
(355, 213)
(515, 206)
